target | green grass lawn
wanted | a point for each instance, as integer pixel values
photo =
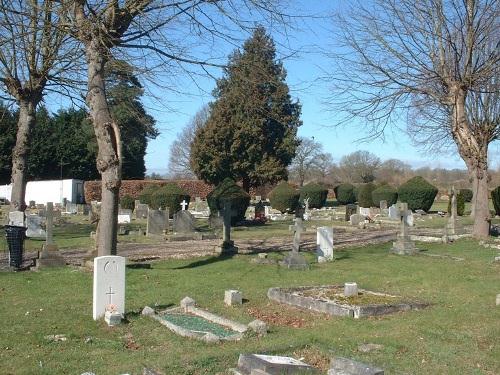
(458, 334)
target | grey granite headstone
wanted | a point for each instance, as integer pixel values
(365, 211)
(356, 219)
(141, 211)
(157, 222)
(34, 224)
(183, 222)
(393, 212)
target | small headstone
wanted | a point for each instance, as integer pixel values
(272, 365)
(346, 366)
(187, 302)
(125, 211)
(113, 318)
(16, 218)
(32, 204)
(34, 224)
(109, 285)
(324, 243)
(350, 210)
(356, 219)
(364, 211)
(367, 348)
(124, 219)
(498, 300)
(71, 208)
(183, 222)
(350, 289)
(258, 326)
(393, 212)
(157, 223)
(233, 297)
(264, 256)
(147, 311)
(410, 219)
(383, 205)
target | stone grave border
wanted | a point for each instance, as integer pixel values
(239, 328)
(287, 296)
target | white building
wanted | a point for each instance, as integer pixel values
(49, 191)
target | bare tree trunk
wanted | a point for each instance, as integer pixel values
(25, 124)
(474, 151)
(109, 150)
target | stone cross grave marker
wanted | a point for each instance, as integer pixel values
(141, 210)
(452, 227)
(227, 212)
(157, 223)
(294, 259)
(109, 285)
(324, 244)
(49, 256)
(184, 204)
(403, 245)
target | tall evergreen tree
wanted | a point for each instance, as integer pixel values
(136, 126)
(251, 134)
(8, 128)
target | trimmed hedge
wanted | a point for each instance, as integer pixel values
(495, 197)
(385, 193)
(466, 194)
(145, 196)
(460, 204)
(169, 196)
(229, 190)
(365, 195)
(316, 193)
(345, 193)
(284, 197)
(127, 202)
(418, 193)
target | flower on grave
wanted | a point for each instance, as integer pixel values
(111, 307)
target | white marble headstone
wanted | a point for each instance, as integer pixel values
(324, 243)
(364, 211)
(123, 219)
(393, 212)
(410, 221)
(16, 218)
(109, 285)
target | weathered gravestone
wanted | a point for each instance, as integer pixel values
(350, 210)
(49, 256)
(157, 223)
(356, 219)
(365, 211)
(183, 222)
(124, 218)
(403, 244)
(346, 366)
(34, 225)
(249, 364)
(141, 210)
(383, 205)
(72, 208)
(16, 218)
(295, 260)
(324, 244)
(393, 212)
(227, 245)
(453, 228)
(125, 211)
(109, 285)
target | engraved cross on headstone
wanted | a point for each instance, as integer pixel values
(297, 228)
(110, 294)
(184, 204)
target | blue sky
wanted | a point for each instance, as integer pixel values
(304, 71)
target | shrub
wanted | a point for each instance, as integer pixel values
(169, 196)
(147, 193)
(229, 190)
(460, 204)
(284, 197)
(385, 193)
(345, 194)
(467, 194)
(418, 193)
(316, 193)
(127, 202)
(495, 197)
(365, 195)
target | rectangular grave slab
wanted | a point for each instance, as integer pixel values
(109, 285)
(272, 365)
(346, 366)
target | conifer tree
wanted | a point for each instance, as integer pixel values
(251, 134)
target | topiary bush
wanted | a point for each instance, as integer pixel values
(229, 190)
(460, 204)
(385, 193)
(467, 194)
(284, 197)
(495, 197)
(169, 196)
(418, 193)
(127, 202)
(316, 193)
(147, 193)
(345, 194)
(365, 195)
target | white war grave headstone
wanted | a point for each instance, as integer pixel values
(324, 244)
(109, 285)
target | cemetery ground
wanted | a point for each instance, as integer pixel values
(457, 334)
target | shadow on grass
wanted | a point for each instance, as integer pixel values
(205, 262)
(135, 313)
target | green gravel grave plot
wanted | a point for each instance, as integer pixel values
(198, 324)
